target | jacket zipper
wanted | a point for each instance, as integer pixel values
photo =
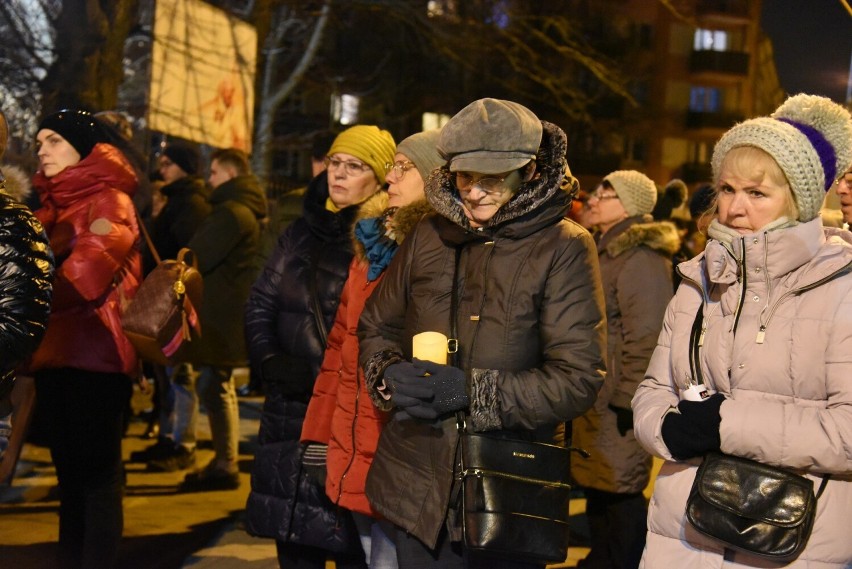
(761, 333)
(352, 456)
(483, 472)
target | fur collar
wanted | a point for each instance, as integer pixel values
(404, 219)
(660, 236)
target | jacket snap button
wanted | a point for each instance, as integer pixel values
(756, 298)
(757, 270)
(741, 366)
(754, 240)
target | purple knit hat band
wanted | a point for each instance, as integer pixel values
(824, 149)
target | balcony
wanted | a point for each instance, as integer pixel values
(726, 62)
(696, 120)
(724, 11)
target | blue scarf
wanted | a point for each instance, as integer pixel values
(377, 237)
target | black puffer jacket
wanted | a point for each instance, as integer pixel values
(531, 330)
(285, 343)
(26, 282)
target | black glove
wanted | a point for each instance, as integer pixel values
(425, 390)
(693, 431)
(623, 419)
(314, 462)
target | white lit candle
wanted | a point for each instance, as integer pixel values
(430, 346)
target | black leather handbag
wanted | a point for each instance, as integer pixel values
(753, 507)
(749, 506)
(515, 497)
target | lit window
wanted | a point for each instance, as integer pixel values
(344, 109)
(705, 99)
(434, 120)
(710, 40)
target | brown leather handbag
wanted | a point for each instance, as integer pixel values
(162, 319)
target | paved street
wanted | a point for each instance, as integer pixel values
(164, 529)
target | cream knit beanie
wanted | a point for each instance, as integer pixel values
(809, 137)
(637, 192)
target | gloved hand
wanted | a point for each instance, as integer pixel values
(693, 431)
(623, 419)
(426, 390)
(314, 462)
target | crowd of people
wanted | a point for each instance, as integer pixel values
(572, 318)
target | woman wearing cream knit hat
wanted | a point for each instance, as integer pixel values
(289, 315)
(775, 292)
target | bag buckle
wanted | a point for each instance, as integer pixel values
(452, 345)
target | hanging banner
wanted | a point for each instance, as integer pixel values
(202, 74)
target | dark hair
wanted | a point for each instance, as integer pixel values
(233, 157)
(321, 143)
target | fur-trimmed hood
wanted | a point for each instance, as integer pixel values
(404, 219)
(16, 182)
(661, 236)
(540, 202)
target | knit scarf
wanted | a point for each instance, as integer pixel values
(377, 236)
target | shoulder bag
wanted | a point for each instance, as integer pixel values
(161, 321)
(514, 493)
(747, 505)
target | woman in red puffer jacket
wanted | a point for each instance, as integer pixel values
(84, 365)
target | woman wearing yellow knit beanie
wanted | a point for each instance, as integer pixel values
(356, 164)
(289, 316)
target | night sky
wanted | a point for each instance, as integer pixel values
(812, 40)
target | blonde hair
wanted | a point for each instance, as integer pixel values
(754, 164)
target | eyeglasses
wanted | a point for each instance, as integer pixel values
(491, 186)
(399, 168)
(351, 167)
(600, 196)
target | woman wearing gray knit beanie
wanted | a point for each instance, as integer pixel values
(775, 293)
(635, 256)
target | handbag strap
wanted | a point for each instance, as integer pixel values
(148, 240)
(698, 376)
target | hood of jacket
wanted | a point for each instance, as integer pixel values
(821, 251)
(634, 232)
(542, 201)
(16, 183)
(245, 190)
(104, 168)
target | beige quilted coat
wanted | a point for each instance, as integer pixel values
(789, 396)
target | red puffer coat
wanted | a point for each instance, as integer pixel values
(340, 413)
(89, 218)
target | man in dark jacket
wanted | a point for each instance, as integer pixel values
(530, 320)
(186, 207)
(225, 244)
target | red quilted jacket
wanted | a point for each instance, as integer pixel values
(91, 223)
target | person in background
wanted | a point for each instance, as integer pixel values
(340, 419)
(635, 255)
(84, 365)
(774, 288)
(26, 283)
(531, 321)
(844, 192)
(289, 312)
(185, 208)
(225, 244)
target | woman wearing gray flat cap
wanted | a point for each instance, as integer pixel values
(530, 321)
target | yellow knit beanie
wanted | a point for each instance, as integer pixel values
(370, 144)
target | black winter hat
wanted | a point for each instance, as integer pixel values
(185, 156)
(79, 128)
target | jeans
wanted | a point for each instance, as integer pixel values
(378, 545)
(413, 554)
(213, 387)
(182, 403)
(85, 412)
